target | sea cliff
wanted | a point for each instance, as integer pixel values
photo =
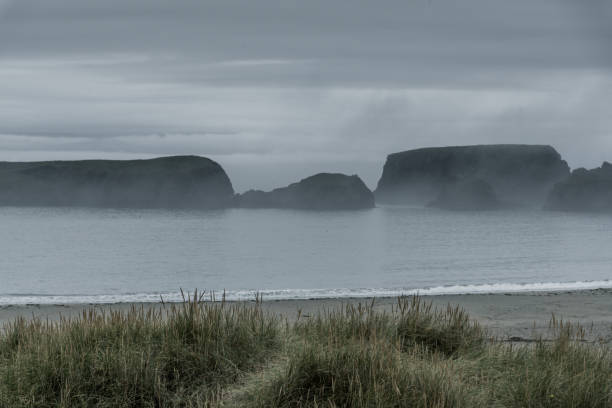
(518, 174)
(166, 182)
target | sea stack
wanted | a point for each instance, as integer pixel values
(323, 191)
(166, 182)
(585, 190)
(519, 175)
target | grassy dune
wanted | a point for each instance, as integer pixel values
(198, 354)
(181, 356)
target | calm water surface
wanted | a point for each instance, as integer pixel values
(60, 255)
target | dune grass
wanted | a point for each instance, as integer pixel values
(178, 356)
(411, 322)
(361, 375)
(419, 356)
(217, 354)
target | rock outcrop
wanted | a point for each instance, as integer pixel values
(466, 196)
(519, 174)
(584, 190)
(323, 191)
(167, 182)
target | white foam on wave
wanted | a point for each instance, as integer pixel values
(288, 294)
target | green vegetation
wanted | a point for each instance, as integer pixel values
(200, 354)
(179, 356)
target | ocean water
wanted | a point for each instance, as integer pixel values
(73, 255)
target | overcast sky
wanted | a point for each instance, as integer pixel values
(276, 90)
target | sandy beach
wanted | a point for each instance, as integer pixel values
(518, 316)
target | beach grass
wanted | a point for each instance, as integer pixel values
(180, 355)
(217, 354)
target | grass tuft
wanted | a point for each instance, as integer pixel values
(412, 322)
(367, 375)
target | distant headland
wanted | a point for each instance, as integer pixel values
(480, 177)
(166, 182)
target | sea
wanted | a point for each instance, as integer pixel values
(83, 255)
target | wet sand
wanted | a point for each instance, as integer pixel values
(518, 316)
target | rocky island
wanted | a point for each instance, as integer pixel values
(474, 176)
(584, 190)
(167, 182)
(323, 191)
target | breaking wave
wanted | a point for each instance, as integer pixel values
(290, 294)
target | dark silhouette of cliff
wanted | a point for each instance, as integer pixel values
(167, 182)
(518, 174)
(323, 191)
(585, 190)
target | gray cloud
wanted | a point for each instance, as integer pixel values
(309, 86)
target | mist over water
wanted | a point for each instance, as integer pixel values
(71, 255)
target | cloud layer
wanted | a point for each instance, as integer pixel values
(278, 90)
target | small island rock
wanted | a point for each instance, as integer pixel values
(323, 191)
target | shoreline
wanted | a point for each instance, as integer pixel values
(506, 315)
